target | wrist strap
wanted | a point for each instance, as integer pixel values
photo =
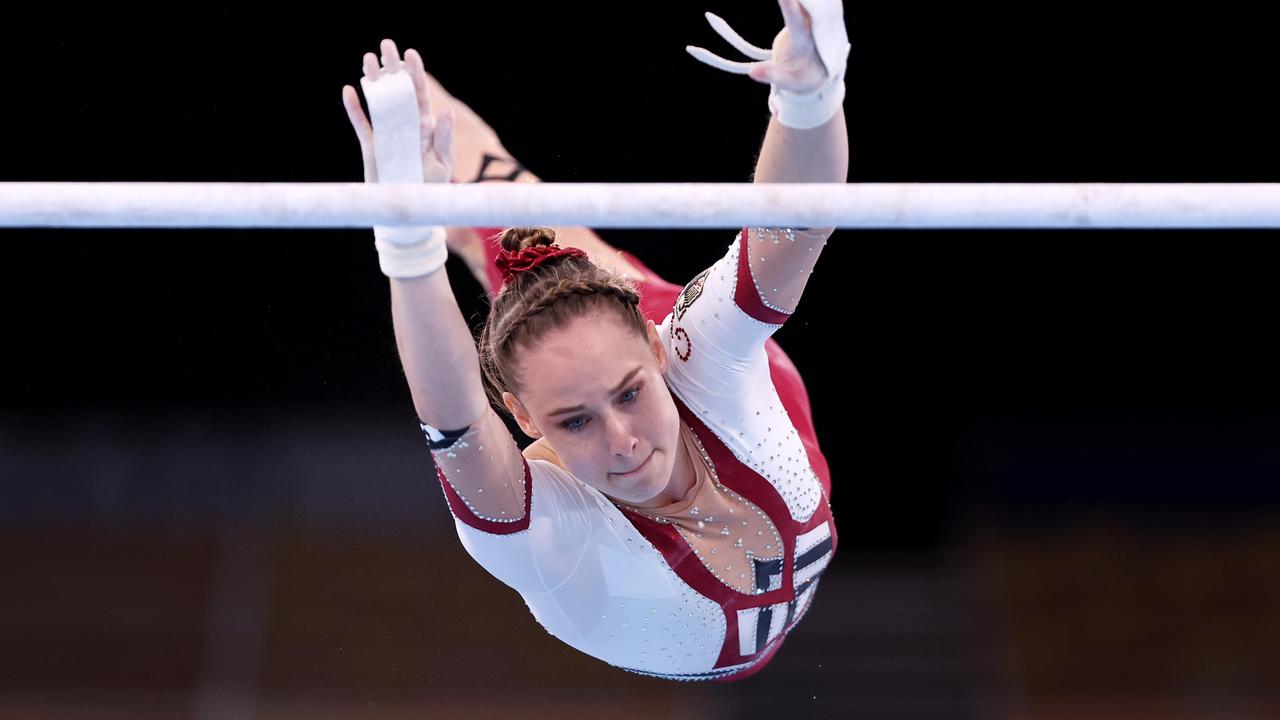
(405, 252)
(808, 110)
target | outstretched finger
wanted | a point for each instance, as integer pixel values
(724, 30)
(715, 61)
(444, 138)
(426, 129)
(764, 72)
(351, 101)
(419, 74)
(437, 151)
(370, 64)
(364, 131)
(390, 56)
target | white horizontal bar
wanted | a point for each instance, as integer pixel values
(671, 205)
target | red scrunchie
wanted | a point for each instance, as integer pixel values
(514, 263)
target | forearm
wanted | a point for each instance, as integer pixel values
(789, 155)
(815, 155)
(437, 352)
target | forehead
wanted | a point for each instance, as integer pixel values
(588, 356)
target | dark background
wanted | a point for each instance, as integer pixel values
(971, 388)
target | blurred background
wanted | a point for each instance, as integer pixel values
(1054, 453)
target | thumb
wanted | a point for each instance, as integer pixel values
(444, 138)
(764, 72)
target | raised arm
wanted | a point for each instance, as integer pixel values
(795, 155)
(473, 450)
(436, 348)
(437, 352)
(798, 154)
(807, 140)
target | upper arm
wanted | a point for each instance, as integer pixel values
(485, 479)
(717, 330)
(526, 523)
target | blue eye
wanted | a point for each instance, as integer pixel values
(573, 424)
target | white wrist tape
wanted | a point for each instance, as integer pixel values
(808, 110)
(405, 252)
(397, 144)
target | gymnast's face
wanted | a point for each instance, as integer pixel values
(595, 391)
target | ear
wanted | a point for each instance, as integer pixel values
(521, 415)
(656, 345)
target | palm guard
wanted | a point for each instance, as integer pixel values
(403, 252)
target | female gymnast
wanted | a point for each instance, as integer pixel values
(672, 516)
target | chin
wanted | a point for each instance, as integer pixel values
(660, 475)
(642, 483)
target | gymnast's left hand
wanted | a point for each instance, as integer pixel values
(795, 65)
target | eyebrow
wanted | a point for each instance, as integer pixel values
(616, 390)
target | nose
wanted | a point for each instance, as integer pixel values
(622, 442)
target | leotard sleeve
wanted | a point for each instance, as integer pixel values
(525, 521)
(717, 330)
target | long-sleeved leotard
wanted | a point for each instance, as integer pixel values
(705, 588)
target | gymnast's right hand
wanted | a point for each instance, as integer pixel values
(402, 144)
(435, 134)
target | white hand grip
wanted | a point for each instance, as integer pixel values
(397, 138)
(722, 28)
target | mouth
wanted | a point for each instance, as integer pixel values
(638, 469)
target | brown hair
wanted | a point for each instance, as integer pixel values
(543, 299)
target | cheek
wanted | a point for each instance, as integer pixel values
(664, 414)
(587, 455)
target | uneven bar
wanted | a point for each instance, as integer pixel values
(646, 205)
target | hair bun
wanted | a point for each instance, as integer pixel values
(518, 238)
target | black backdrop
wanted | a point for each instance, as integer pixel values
(950, 370)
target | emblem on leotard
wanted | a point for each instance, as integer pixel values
(688, 344)
(691, 292)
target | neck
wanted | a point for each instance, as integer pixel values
(690, 474)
